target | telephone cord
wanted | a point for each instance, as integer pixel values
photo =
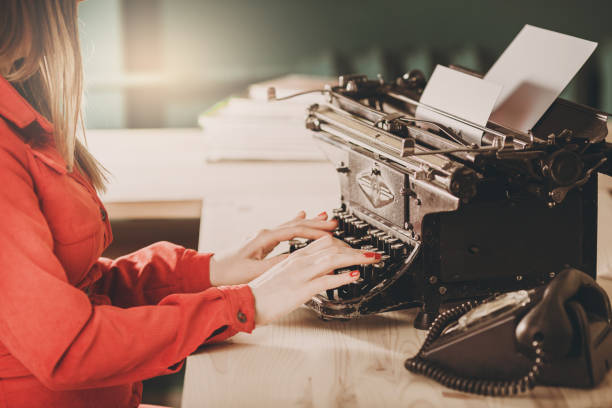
(419, 365)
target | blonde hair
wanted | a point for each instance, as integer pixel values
(50, 75)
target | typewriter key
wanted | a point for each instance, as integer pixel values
(367, 247)
(366, 273)
(342, 221)
(380, 243)
(352, 241)
(377, 271)
(397, 250)
(389, 242)
(386, 262)
(296, 244)
(373, 231)
(376, 237)
(361, 228)
(350, 224)
(358, 242)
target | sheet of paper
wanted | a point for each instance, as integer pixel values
(462, 95)
(534, 70)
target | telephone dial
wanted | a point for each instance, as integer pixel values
(554, 335)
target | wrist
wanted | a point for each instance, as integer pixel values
(257, 314)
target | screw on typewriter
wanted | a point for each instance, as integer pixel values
(455, 216)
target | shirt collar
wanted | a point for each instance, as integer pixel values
(16, 110)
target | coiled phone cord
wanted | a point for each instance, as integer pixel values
(419, 365)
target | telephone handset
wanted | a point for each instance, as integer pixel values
(554, 335)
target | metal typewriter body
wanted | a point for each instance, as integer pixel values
(454, 218)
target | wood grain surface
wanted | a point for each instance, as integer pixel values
(302, 361)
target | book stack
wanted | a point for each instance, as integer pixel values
(253, 128)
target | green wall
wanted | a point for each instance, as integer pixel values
(209, 49)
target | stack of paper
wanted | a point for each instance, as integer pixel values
(253, 128)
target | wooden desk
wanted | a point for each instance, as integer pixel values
(241, 198)
(301, 361)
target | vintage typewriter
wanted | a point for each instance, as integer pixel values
(454, 217)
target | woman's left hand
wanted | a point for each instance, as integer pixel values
(248, 262)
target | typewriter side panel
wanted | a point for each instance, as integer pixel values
(489, 246)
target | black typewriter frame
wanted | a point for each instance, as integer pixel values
(539, 255)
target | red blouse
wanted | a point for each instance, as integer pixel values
(79, 330)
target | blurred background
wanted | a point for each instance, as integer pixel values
(153, 66)
(160, 63)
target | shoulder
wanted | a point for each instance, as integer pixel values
(11, 141)
(16, 157)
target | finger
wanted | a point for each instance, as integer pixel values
(319, 223)
(322, 216)
(322, 243)
(300, 216)
(327, 282)
(325, 261)
(274, 237)
(315, 223)
(270, 262)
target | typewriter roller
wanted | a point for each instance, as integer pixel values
(454, 219)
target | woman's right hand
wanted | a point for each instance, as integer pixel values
(303, 274)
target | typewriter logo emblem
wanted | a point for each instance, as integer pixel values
(374, 188)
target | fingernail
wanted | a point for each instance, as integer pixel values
(354, 274)
(323, 214)
(374, 255)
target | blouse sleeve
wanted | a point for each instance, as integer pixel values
(146, 276)
(54, 331)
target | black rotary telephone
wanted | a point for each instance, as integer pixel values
(556, 335)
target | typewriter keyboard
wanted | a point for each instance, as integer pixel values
(361, 235)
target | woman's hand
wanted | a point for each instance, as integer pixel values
(303, 274)
(248, 262)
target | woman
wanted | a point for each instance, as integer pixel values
(79, 330)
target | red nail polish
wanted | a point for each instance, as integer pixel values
(354, 274)
(375, 255)
(323, 214)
